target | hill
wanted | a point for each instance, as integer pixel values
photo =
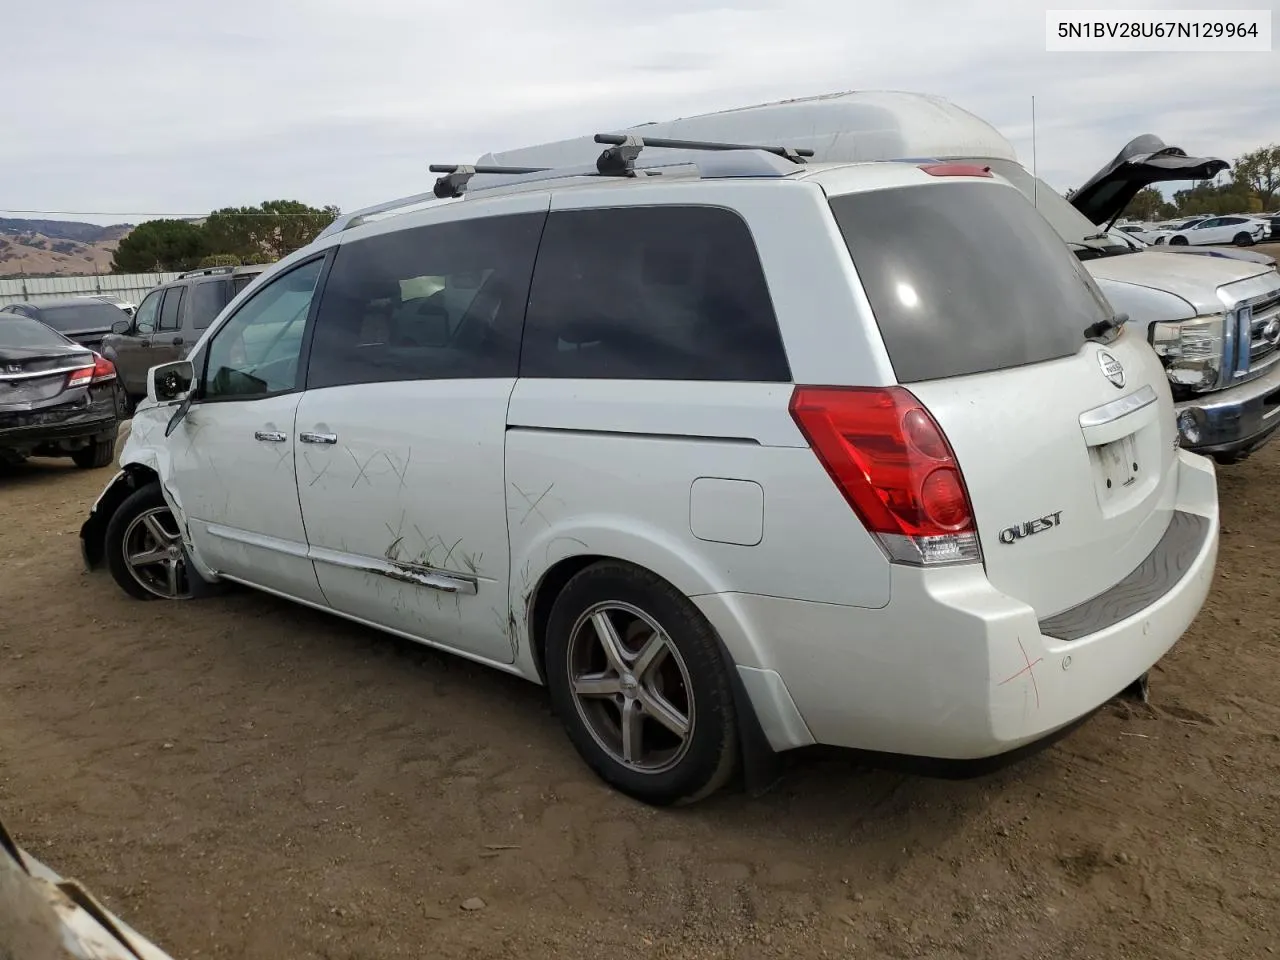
(43, 248)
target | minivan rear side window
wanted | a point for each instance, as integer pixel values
(966, 278)
(651, 293)
(442, 301)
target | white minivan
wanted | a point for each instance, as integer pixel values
(738, 455)
(1214, 322)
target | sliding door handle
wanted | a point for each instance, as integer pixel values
(308, 437)
(270, 436)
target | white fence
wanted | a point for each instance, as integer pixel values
(127, 286)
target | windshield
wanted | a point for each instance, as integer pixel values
(964, 278)
(90, 315)
(19, 331)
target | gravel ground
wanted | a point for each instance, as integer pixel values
(239, 777)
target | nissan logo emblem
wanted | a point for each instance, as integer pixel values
(1111, 368)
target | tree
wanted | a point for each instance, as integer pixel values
(160, 246)
(1147, 204)
(1260, 170)
(220, 260)
(267, 232)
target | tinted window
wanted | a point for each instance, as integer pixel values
(91, 315)
(171, 308)
(241, 281)
(433, 302)
(207, 298)
(19, 331)
(965, 278)
(256, 352)
(651, 293)
(144, 321)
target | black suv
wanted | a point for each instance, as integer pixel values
(170, 320)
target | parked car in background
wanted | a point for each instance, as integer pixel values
(86, 320)
(57, 398)
(128, 306)
(170, 320)
(1144, 232)
(1241, 231)
(1273, 225)
(1224, 253)
(1197, 311)
(711, 453)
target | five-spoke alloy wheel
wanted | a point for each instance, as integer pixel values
(637, 677)
(144, 548)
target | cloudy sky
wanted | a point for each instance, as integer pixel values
(147, 106)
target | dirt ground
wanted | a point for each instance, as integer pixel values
(239, 777)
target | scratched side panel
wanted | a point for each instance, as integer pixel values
(405, 513)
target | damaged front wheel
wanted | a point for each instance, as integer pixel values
(144, 548)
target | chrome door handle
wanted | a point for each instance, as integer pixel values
(271, 436)
(309, 437)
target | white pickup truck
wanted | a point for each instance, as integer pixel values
(1214, 322)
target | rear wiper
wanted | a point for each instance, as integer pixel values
(1096, 331)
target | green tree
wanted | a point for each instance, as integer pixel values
(220, 260)
(1260, 170)
(160, 246)
(267, 232)
(1146, 205)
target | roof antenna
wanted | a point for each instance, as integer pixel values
(1035, 182)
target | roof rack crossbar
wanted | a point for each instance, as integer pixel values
(619, 159)
(456, 176)
(205, 272)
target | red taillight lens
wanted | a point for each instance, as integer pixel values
(80, 378)
(103, 369)
(894, 466)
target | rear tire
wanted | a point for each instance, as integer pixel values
(1243, 239)
(144, 549)
(650, 709)
(99, 453)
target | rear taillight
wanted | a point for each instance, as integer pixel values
(894, 465)
(102, 369)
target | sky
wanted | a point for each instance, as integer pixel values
(116, 111)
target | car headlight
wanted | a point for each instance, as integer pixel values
(1191, 351)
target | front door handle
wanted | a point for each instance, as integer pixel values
(270, 436)
(144, 343)
(309, 437)
(177, 341)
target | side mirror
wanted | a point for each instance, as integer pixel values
(122, 326)
(170, 381)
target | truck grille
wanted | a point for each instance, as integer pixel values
(1264, 344)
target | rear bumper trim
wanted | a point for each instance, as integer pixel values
(1156, 576)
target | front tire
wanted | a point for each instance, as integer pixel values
(144, 548)
(636, 675)
(99, 453)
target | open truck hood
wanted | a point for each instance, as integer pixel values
(1143, 161)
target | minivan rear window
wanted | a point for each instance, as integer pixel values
(966, 278)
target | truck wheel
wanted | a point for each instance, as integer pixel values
(144, 548)
(99, 453)
(636, 676)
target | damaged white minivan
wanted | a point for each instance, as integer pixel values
(736, 456)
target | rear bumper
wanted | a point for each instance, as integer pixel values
(951, 668)
(86, 426)
(1238, 420)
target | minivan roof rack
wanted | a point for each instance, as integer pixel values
(619, 160)
(456, 176)
(620, 157)
(205, 272)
